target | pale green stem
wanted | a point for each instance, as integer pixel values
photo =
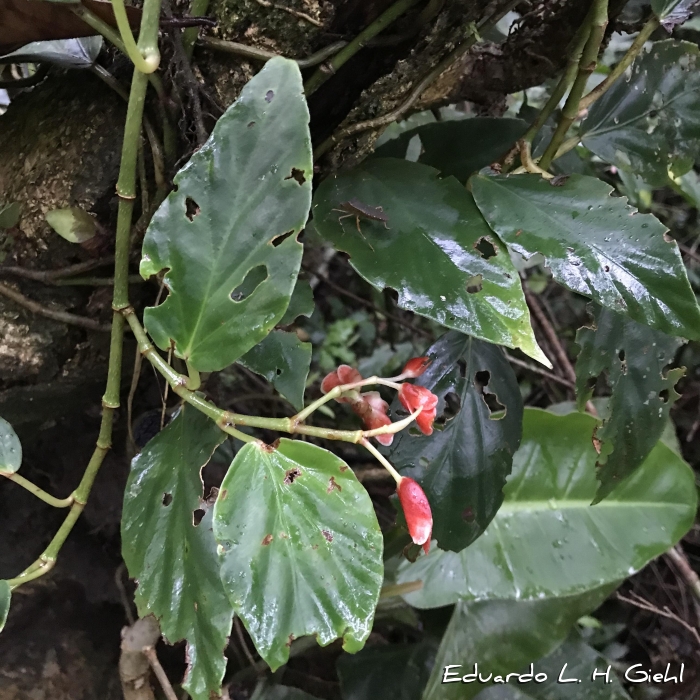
(398, 589)
(145, 56)
(382, 460)
(189, 36)
(193, 379)
(38, 492)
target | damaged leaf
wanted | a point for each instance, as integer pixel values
(73, 223)
(298, 535)
(634, 358)
(173, 559)
(10, 448)
(673, 12)
(463, 465)
(227, 234)
(437, 252)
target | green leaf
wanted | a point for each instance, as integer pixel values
(174, 560)
(225, 224)
(300, 547)
(649, 123)
(458, 148)
(74, 224)
(502, 636)
(5, 595)
(634, 358)
(9, 215)
(595, 245)
(284, 361)
(10, 448)
(429, 252)
(672, 12)
(547, 539)
(463, 465)
(67, 53)
(301, 303)
(393, 672)
(574, 659)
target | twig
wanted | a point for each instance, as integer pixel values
(122, 593)
(135, 376)
(291, 11)
(61, 316)
(48, 276)
(677, 556)
(542, 372)
(241, 639)
(150, 654)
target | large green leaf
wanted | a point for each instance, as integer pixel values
(10, 448)
(463, 465)
(437, 251)
(595, 245)
(300, 547)
(173, 559)
(650, 123)
(502, 636)
(221, 233)
(634, 358)
(5, 595)
(458, 148)
(284, 361)
(547, 539)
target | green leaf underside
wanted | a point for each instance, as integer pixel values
(650, 122)
(10, 448)
(595, 245)
(5, 595)
(458, 148)
(74, 224)
(174, 561)
(547, 539)
(634, 358)
(502, 636)
(284, 361)
(428, 252)
(240, 191)
(300, 547)
(463, 467)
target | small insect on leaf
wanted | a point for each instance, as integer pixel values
(360, 210)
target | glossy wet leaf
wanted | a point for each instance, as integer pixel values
(673, 12)
(284, 361)
(221, 233)
(300, 547)
(650, 123)
(458, 148)
(429, 251)
(595, 245)
(574, 659)
(391, 672)
(463, 465)
(5, 595)
(547, 539)
(10, 448)
(67, 53)
(174, 560)
(503, 636)
(634, 359)
(73, 223)
(9, 214)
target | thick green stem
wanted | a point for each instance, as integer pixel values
(597, 20)
(145, 56)
(382, 22)
(189, 36)
(38, 492)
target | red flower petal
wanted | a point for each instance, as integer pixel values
(343, 375)
(348, 375)
(414, 397)
(416, 508)
(415, 367)
(372, 409)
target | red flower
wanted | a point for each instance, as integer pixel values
(415, 367)
(416, 508)
(372, 410)
(414, 397)
(343, 375)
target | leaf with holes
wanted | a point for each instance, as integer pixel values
(463, 465)
(284, 361)
(300, 547)
(502, 636)
(173, 558)
(673, 12)
(5, 595)
(595, 245)
(222, 233)
(547, 539)
(458, 148)
(435, 249)
(634, 358)
(649, 123)
(10, 448)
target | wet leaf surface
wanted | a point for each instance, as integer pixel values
(10, 448)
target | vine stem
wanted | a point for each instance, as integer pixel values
(145, 56)
(382, 460)
(387, 17)
(38, 492)
(126, 189)
(189, 36)
(597, 20)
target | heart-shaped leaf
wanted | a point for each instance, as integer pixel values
(436, 249)
(5, 595)
(173, 556)
(10, 448)
(547, 539)
(634, 358)
(300, 547)
(227, 233)
(463, 465)
(595, 245)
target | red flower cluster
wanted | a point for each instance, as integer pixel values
(416, 508)
(343, 375)
(414, 397)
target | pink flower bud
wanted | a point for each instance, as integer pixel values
(372, 409)
(414, 397)
(415, 367)
(416, 508)
(343, 375)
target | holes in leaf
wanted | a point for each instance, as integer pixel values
(281, 239)
(269, 95)
(486, 249)
(474, 284)
(424, 462)
(191, 208)
(497, 410)
(663, 395)
(251, 124)
(167, 499)
(468, 515)
(291, 475)
(297, 175)
(621, 357)
(197, 516)
(328, 535)
(252, 280)
(452, 406)
(266, 540)
(278, 371)
(462, 366)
